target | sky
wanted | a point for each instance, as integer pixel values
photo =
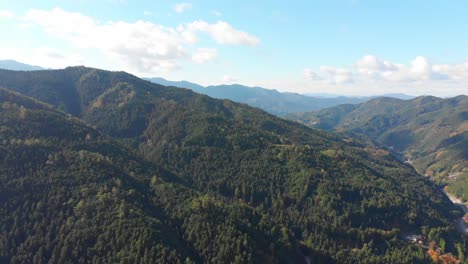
(348, 47)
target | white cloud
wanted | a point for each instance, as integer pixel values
(418, 69)
(44, 56)
(418, 76)
(229, 79)
(336, 75)
(182, 7)
(372, 68)
(456, 72)
(370, 64)
(203, 55)
(6, 14)
(62, 23)
(221, 32)
(310, 74)
(140, 47)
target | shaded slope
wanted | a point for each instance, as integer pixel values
(68, 194)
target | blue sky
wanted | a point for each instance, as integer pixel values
(337, 46)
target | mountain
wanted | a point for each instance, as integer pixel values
(430, 132)
(272, 101)
(397, 95)
(182, 84)
(224, 182)
(393, 95)
(70, 194)
(18, 66)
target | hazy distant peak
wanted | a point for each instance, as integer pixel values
(270, 100)
(18, 66)
(399, 96)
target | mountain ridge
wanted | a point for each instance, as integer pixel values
(270, 100)
(89, 193)
(278, 103)
(281, 189)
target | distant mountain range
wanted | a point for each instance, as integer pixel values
(393, 95)
(18, 66)
(272, 101)
(430, 132)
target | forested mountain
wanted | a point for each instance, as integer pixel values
(272, 101)
(431, 133)
(18, 66)
(207, 179)
(69, 194)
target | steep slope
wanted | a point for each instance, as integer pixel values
(68, 194)
(326, 119)
(272, 101)
(70, 90)
(306, 190)
(432, 133)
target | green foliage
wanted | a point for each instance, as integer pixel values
(432, 133)
(459, 187)
(187, 178)
(70, 194)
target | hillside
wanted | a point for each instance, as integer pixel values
(272, 101)
(280, 189)
(70, 194)
(431, 133)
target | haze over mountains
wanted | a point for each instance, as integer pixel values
(18, 66)
(272, 101)
(115, 168)
(430, 132)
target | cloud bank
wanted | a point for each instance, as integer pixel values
(372, 68)
(6, 14)
(418, 76)
(142, 47)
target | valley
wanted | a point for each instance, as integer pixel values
(233, 132)
(427, 132)
(197, 179)
(461, 224)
